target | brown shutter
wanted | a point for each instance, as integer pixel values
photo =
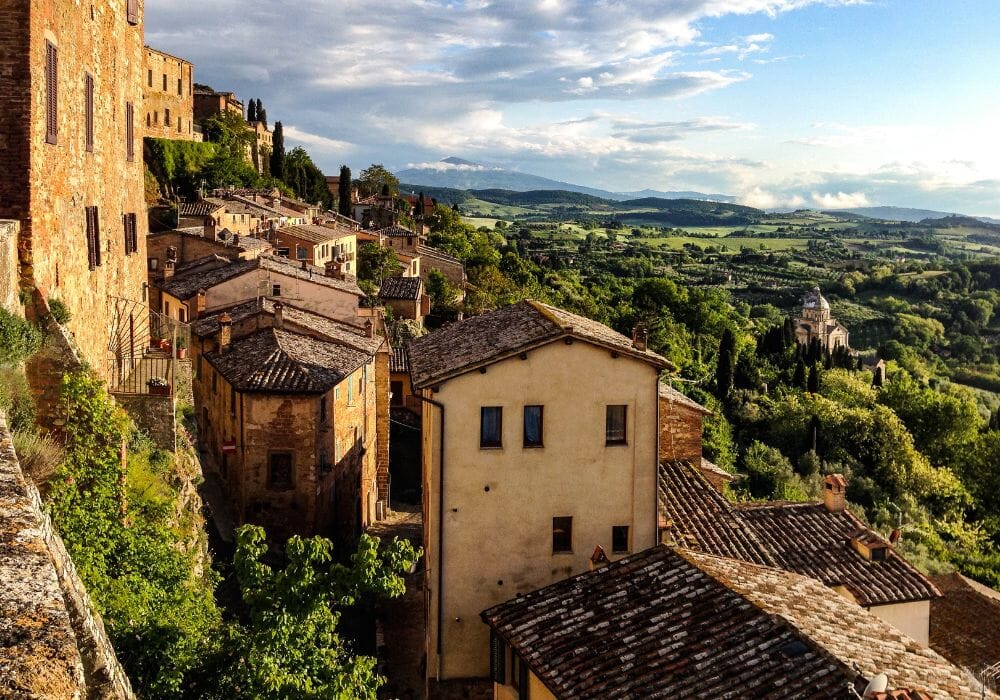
(92, 253)
(129, 132)
(88, 115)
(132, 12)
(129, 224)
(51, 93)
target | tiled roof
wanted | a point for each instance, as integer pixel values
(481, 340)
(699, 517)
(435, 254)
(304, 321)
(395, 231)
(809, 539)
(408, 288)
(280, 361)
(707, 466)
(678, 624)
(398, 361)
(674, 396)
(203, 207)
(965, 623)
(184, 286)
(313, 233)
(802, 537)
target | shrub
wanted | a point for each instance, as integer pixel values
(18, 338)
(16, 399)
(60, 312)
(40, 455)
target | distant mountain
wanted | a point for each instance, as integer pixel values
(460, 174)
(894, 213)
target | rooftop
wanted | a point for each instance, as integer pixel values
(676, 623)
(429, 252)
(395, 231)
(406, 288)
(802, 537)
(398, 361)
(314, 233)
(185, 285)
(673, 396)
(965, 622)
(481, 340)
(204, 207)
(280, 361)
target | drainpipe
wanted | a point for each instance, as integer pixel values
(440, 542)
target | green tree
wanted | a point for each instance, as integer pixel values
(251, 110)
(278, 152)
(812, 385)
(443, 293)
(288, 645)
(376, 263)
(799, 375)
(344, 191)
(229, 131)
(306, 180)
(375, 179)
(726, 365)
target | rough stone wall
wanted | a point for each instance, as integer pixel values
(382, 423)
(38, 649)
(45, 369)
(680, 432)
(64, 178)
(26, 532)
(9, 284)
(154, 415)
(15, 109)
(159, 68)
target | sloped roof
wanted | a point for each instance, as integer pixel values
(809, 539)
(673, 396)
(435, 254)
(802, 537)
(314, 233)
(481, 340)
(965, 622)
(406, 288)
(279, 361)
(398, 361)
(204, 207)
(395, 231)
(184, 286)
(699, 517)
(679, 624)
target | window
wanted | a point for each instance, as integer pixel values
(615, 425)
(179, 128)
(562, 534)
(129, 132)
(350, 393)
(153, 264)
(166, 117)
(490, 426)
(396, 389)
(51, 92)
(132, 15)
(498, 655)
(275, 290)
(322, 410)
(301, 252)
(283, 252)
(180, 86)
(182, 314)
(532, 426)
(149, 78)
(232, 401)
(93, 238)
(279, 470)
(619, 539)
(164, 82)
(131, 234)
(88, 112)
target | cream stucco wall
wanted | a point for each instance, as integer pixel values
(912, 619)
(321, 299)
(536, 690)
(499, 503)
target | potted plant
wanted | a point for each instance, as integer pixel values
(165, 345)
(181, 348)
(158, 386)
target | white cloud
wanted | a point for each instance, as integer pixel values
(320, 143)
(840, 200)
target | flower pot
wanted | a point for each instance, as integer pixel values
(157, 390)
(181, 353)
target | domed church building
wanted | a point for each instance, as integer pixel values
(815, 322)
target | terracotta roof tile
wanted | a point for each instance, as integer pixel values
(399, 362)
(679, 624)
(314, 233)
(407, 288)
(480, 340)
(965, 623)
(280, 361)
(184, 286)
(674, 396)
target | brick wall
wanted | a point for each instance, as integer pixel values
(680, 432)
(382, 423)
(159, 99)
(47, 187)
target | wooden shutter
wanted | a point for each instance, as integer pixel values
(88, 114)
(498, 653)
(93, 238)
(129, 132)
(132, 11)
(51, 92)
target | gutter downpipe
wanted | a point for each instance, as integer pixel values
(440, 537)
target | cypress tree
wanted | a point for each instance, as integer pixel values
(788, 332)
(420, 206)
(861, 364)
(251, 110)
(813, 385)
(344, 191)
(878, 380)
(727, 363)
(278, 152)
(799, 377)
(259, 111)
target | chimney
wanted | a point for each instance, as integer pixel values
(599, 558)
(236, 239)
(225, 333)
(369, 328)
(279, 315)
(199, 303)
(168, 268)
(335, 269)
(835, 493)
(640, 337)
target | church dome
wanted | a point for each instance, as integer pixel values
(815, 300)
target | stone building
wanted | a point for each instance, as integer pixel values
(289, 415)
(208, 102)
(71, 80)
(816, 322)
(182, 247)
(318, 245)
(540, 442)
(681, 433)
(168, 97)
(262, 146)
(405, 296)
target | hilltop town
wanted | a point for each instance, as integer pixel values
(268, 432)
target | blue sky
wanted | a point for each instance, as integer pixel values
(818, 103)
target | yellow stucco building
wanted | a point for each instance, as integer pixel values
(540, 444)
